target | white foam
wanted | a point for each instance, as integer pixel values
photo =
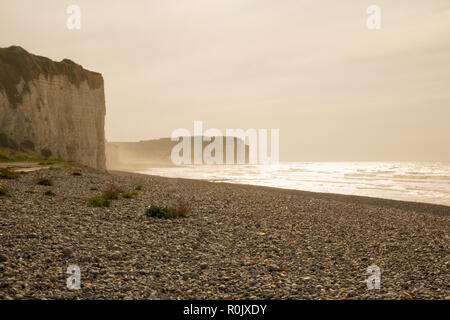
(410, 181)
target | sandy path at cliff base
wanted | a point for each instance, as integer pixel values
(23, 166)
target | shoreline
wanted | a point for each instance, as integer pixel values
(237, 241)
(422, 207)
(421, 182)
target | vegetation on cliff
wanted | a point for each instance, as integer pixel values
(17, 64)
(11, 151)
(24, 155)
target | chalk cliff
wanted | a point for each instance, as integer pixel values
(55, 108)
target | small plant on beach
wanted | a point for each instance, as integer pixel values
(180, 211)
(49, 193)
(4, 190)
(129, 195)
(5, 173)
(112, 193)
(138, 187)
(45, 182)
(99, 201)
(158, 212)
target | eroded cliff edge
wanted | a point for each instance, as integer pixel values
(52, 106)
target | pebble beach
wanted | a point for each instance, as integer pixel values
(237, 241)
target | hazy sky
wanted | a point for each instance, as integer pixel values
(334, 88)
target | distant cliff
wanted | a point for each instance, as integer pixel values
(135, 155)
(55, 108)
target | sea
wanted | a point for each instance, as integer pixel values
(427, 182)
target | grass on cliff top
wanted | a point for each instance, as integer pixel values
(17, 64)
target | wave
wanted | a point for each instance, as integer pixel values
(423, 182)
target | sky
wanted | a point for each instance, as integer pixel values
(336, 90)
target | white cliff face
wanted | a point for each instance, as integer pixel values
(57, 115)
